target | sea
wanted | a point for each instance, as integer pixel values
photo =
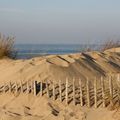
(26, 51)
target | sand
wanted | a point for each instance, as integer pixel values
(53, 68)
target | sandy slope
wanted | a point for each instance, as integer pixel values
(55, 67)
(25, 107)
(74, 65)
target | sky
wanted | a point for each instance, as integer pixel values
(60, 21)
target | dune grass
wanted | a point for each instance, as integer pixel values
(7, 47)
(110, 44)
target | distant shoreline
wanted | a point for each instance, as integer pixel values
(33, 50)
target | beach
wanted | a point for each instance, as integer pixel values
(22, 106)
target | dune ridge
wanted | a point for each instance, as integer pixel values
(89, 64)
(55, 67)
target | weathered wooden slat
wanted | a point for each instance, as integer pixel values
(16, 86)
(95, 92)
(28, 88)
(47, 88)
(81, 92)
(74, 100)
(21, 86)
(88, 92)
(60, 90)
(111, 90)
(4, 87)
(103, 92)
(66, 91)
(35, 88)
(118, 88)
(41, 88)
(54, 97)
(10, 87)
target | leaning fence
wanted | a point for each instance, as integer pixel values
(100, 92)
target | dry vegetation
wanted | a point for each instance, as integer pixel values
(7, 47)
(110, 44)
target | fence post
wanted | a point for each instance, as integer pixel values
(74, 102)
(81, 92)
(66, 91)
(88, 93)
(27, 87)
(111, 90)
(103, 91)
(60, 90)
(10, 87)
(21, 85)
(16, 87)
(95, 92)
(35, 88)
(4, 86)
(54, 97)
(41, 88)
(47, 88)
(118, 90)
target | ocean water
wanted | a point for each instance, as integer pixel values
(26, 51)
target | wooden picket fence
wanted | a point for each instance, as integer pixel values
(101, 93)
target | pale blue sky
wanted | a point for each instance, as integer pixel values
(60, 21)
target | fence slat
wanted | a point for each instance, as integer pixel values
(81, 92)
(66, 91)
(103, 92)
(95, 92)
(88, 92)
(54, 97)
(35, 88)
(74, 102)
(47, 88)
(16, 87)
(111, 90)
(27, 91)
(60, 90)
(118, 89)
(41, 88)
(21, 86)
(10, 87)
(4, 87)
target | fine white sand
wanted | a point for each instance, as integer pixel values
(55, 67)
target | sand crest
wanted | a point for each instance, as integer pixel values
(55, 68)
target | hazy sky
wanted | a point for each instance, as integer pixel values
(60, 21)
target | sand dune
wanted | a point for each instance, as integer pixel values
(55, 67)
(25, 107)
(89, 64)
